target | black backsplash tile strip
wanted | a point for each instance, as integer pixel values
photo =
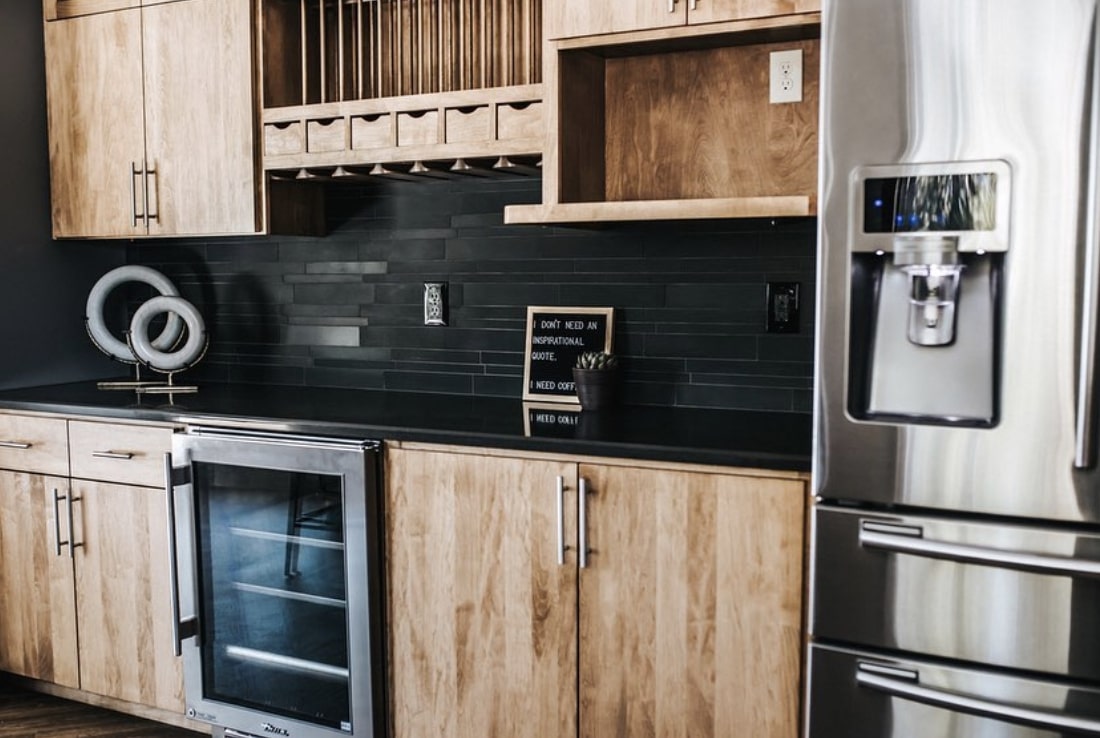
(689, 297)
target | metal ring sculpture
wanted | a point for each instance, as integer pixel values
(163, 353)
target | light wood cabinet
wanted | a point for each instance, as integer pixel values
(684, 620)
(671, 123)
(37, 623)
(153, 121)
(572, 18)
(122, 595)
(87, 555)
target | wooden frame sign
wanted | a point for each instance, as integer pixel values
(555, 336)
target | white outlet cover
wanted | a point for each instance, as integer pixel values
(785, 76)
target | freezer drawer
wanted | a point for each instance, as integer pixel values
(988, 592)
(869, 695)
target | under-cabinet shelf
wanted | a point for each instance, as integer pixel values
(638, 210)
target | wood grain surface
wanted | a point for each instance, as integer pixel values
(482, 617)
(37, 611)
(123, 598)
(691, 608)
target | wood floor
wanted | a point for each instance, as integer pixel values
(31, 715)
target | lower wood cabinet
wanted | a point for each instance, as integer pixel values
(684, 619)
(84, 588)
(123, 602)
(37, 623)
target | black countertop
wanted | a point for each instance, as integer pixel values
(764, 440)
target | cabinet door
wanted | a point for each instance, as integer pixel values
(123, 598)
(711, 11)
(200, 133)
(570, 18)
(482, 616)
(690, 608)
(37, 612)
(94, 91)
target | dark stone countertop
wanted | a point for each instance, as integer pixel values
(763, 440)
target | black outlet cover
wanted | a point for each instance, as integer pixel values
(782, 306)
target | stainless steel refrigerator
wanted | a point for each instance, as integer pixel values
(955, 570)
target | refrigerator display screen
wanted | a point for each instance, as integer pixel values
(930, 203)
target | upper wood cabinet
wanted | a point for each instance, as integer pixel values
(572, 18)
(153, 121)
(684, 618)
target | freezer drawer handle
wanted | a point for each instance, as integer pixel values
(907, 539)
(872, 676)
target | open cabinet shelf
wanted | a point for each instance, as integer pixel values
(678, 128)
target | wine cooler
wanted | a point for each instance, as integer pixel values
(277, 592)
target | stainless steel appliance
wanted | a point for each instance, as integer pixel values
(278, 590)
(956, 533)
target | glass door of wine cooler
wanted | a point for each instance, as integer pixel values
(286, 551)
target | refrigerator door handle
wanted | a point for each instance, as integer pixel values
(1085, 442)
(867, 675)
(876, 534)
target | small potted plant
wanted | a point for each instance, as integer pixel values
(596, 376)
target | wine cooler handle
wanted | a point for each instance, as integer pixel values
(1084, 456)
(181, 629)
(906, 685)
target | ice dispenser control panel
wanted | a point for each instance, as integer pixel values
(968, 201)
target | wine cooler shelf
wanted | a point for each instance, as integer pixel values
(377, 83)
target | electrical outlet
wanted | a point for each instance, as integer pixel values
(785, 76)
(782, 301)
(435, 303)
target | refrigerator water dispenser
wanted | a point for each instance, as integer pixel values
(927, 248)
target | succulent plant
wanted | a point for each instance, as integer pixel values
(596, 360)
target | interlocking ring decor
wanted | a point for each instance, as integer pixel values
(165, 353)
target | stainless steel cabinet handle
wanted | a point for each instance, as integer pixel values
(1085, 451)
(134, 174)
(562, 548)
(694, 4)
(907, 539)
(582, 523)
(151, 214)
(672, 6)
(69, 500)
(181, 629)
(911, 689)
(112, 455)
(57, 542)
(15, 444)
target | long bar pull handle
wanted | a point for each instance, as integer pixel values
(582, 523)
(69, 500)
(909, 540)
(1085, 448)
(181, 629)
(57, 542)
(15, 444)
(562, 548)
(134, 174)
(911, 689)
(152, 214)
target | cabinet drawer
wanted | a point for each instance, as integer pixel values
(129, 454)
(32, 444)
(420, 127)
(519, 120)
(329, 134)
(467, 124)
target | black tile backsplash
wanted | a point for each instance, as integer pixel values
(346, 310)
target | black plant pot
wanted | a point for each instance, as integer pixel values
(596, 388)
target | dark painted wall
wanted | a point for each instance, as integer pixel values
(346, 310)
(43, 284)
